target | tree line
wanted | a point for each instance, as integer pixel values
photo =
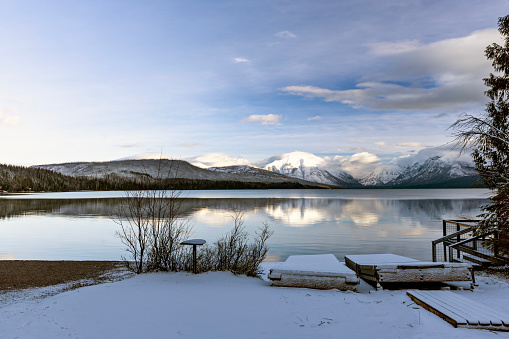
(28, 179)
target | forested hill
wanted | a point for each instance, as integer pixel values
(32, 179)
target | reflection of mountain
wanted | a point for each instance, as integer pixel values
(290, 212)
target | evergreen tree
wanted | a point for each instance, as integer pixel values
(488, 135)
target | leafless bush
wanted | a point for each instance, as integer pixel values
(233, 252)
(152, 227)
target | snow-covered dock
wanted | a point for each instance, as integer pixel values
(382, 269)
(322, 271)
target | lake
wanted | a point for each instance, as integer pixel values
(78, 226)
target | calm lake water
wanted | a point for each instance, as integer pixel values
(77, 226)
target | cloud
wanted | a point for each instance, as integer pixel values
(269, 119)
(442, 75)
(381, 143)
(315, 118)
(142, 156)
(241, 60)
(10, 121)
(285, 35)
(130, 145)
(358, 164)
(217, 159)
(188, 144)
(411, 144)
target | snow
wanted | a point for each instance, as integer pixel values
(221, 305)
(314, 263)
(380, 259)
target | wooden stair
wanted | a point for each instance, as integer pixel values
(460, 311)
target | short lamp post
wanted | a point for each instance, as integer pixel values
(194, 242)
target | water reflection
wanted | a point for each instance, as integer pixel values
(83, 229)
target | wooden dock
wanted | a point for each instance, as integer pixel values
(460, 311)
(380, 269)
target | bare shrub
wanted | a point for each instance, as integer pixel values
(152, 226)
(234, 253)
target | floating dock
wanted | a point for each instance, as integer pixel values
(322, 271)
(380, 269)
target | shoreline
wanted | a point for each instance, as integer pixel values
(16, 275)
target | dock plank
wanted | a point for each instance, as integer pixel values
(460, 311)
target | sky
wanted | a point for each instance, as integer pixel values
(238, 81)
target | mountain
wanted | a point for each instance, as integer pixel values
(265, 175)
(437, 172)
(382, 175)
(166, 168)
(309, 167)
(429, 168)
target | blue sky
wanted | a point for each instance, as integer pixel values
(103, 80)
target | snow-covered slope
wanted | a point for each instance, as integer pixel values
(168, 169)
(436, 171)
(262, 174)
(382, 175)
(307, 166)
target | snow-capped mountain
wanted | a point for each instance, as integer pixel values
(382, 175)
(166, 168)
(437, 171)
(428, 168)
(307, 166)
(263, 175)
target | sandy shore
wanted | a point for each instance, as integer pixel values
(22, 274)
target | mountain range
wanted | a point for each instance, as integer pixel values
(423, 170)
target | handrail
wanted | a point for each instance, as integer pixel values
(452, 235)
(468, 240)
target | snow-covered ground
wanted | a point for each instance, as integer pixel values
(221, 305)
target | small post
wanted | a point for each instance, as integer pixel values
(194, 242)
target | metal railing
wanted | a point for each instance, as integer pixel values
(453, 231)
(459, 244)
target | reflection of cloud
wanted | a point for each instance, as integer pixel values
(363, 213)
(213, 217)
(413, 231)
(7, 256)
(296, 216)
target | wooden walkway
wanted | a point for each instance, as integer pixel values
(460, 311)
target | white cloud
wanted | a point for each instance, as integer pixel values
(189, 144)
(442, 75)
(315, 118)
(241, 60)
(358, 164)
(411, 144)
(391, 48)
(285, 35)
(217, 159)
(381, 143)
(269, 119)
(142, 156)
(10, 121)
